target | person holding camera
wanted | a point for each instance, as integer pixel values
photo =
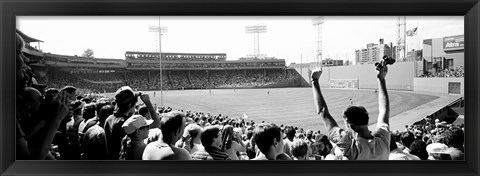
(357, 142)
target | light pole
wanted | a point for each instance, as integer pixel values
(159, 30)
(256, 30)
(318, 21)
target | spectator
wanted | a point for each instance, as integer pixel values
(172, 126)
(94, 144)
(88, 115)
(365, 145)
(190, 140)
(288, 141)
(438, 151)
(268, 138)
(406, 138)
(212, 141)
(136, 127)
(299, 149)
(418, 148)
(125, 100)
(397, 154)
(231, 142)
(455, 140)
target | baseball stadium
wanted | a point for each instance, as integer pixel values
(266, 90)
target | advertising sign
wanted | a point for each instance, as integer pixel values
(453, 43)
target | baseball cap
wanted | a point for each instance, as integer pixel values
(125, 95)
(135, 122)
(437, 148)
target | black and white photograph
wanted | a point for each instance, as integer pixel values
(240, 88)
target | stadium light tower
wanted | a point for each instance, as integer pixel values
(256, 30)
(401, 36)
(317, 22)
(158, 30)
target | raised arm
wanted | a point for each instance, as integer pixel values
(383, 101)
(319, 101)
(146, 99)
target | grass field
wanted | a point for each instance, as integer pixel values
(288, 106)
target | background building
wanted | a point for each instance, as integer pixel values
(373, 53)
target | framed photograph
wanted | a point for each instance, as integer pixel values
(239, 64)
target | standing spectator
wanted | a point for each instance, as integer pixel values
(88, 115)
(365, 145)
(136, 127)
(172, 126)
(268, 138)
(94, 141)
(125, 99)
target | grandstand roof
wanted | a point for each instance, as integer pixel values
(140, 52)
(27, 38)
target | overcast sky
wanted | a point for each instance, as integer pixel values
(286, 37)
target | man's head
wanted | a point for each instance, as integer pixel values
(88, 111)
(211, 136)
(407, 138)
(299, 149)
(268, 138)
(126, 99)
(355, 116)
(32, 99)
(71, 91)
(290, 132)
(172, 126)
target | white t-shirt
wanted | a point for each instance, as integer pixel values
(377, 148)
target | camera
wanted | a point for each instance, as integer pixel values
(386, 61)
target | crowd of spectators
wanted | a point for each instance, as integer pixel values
(176, 57)
(171, 80)
(446, 73)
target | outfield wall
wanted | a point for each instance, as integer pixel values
(437, 85)
(400, 75)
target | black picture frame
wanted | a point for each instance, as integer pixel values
(10, 9)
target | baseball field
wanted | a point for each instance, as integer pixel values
(288, 106)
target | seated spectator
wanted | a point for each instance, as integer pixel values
(418, 148)
(397, 154)
(268, 139)
(212, 140)
(136, 128)
(406, 138)
(190, 140)
(172, 126)
(365, 145)
(455, 138)
(299, 149)
(232, 143)
(288, 141)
